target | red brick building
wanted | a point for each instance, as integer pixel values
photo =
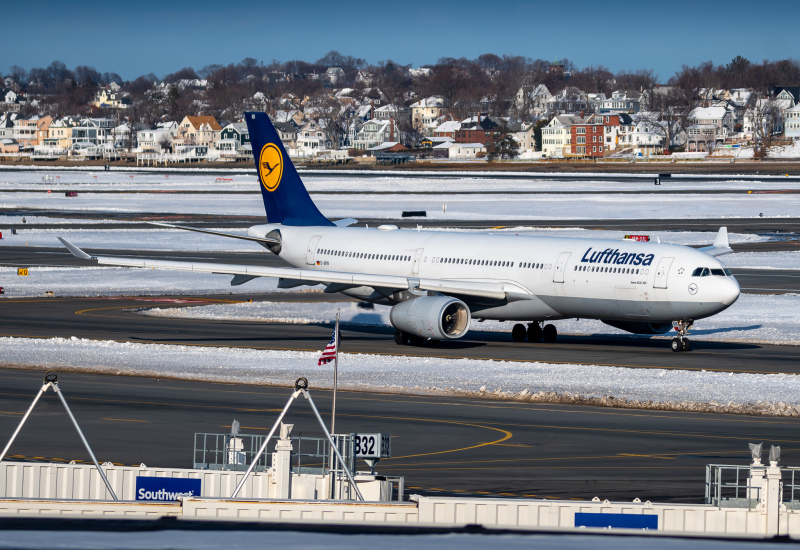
(597, 136)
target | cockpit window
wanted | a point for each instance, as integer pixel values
(705, 272)
(728, 272)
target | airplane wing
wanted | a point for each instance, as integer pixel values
(342, 280)
(720, 246)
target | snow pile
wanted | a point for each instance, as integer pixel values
(776, 394)
(754, 318)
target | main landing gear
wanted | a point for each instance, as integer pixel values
(681, 343)
(534, 332)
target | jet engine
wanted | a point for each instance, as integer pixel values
(435, 317)
(641, 327)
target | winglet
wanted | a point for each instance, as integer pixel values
(77, 252)
(722, 238)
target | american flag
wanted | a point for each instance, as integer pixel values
(330, 351)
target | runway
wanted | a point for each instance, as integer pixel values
(115, 319)
(442, 445)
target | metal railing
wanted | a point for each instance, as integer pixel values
(733, 486)
(311, 455)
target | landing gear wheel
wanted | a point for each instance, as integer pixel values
(400, 337)
(549, 333)
(534, 332)
(518, 333)
(681, 343)
(686, 345)
(677, 344)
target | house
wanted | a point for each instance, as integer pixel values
(154, 138)
(557, 137)
(236, 131)
(364, 77)
(334, 75)
(791, 127)
(386, 147)
(312, 138)
(426, 112)
(622, 101)
(11, 101)
(720, 117)
(702, 137)
(397, 112)
(111, 98)
(523, 133)
(199, 130)
(456, 150)
(30, 132)
(533, 100)
(375, 132)
(288, 133)
(59, 134)
(599, 134)
(448, 128)
(570, 100)
(480, 129)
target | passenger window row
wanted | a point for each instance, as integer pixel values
(467, 261)
(364, 255)
(604, 269)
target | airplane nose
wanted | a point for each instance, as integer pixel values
(730, 291)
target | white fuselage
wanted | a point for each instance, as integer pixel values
(556, 277)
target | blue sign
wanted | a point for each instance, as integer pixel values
(166, 488)
(625, 521)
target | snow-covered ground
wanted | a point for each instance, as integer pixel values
(207, 539)
(763, 260)
(525, 381)
(756, 318)
(497, 206)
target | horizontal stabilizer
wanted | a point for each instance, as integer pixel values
(77, 252)
(267, 240)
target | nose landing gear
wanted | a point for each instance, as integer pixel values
(681, 343)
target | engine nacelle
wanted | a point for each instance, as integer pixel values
(436, 317)
(641, 327)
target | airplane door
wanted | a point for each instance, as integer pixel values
(558, 274)
(415, 268)
(661, 272)
(312, 249)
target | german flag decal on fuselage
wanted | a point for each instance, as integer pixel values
(270, 166)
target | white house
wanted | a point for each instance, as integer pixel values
(311, 139)
(375, 132)
(426, 112)
(533, 100)
(792, 122)
(461, 150)
(556, 139)
(151, 139)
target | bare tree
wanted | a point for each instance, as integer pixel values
(766, 115)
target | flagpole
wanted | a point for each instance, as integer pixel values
(335, 374)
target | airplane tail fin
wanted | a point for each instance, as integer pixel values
(285, 197)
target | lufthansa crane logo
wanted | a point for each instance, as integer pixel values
(270, 166)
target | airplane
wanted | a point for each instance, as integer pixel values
(438, 282)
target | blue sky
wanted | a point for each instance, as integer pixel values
(134, 38)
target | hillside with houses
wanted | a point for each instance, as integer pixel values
(339, 108)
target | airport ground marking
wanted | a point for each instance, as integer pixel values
(125, 420)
